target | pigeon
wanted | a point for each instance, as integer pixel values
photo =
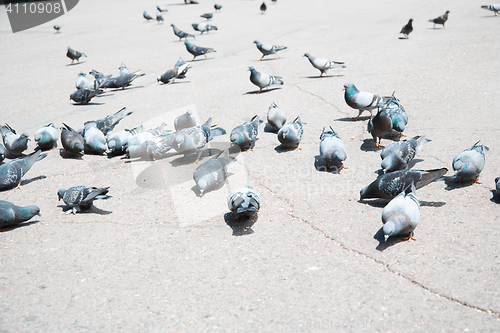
(124, 79)
(193, 139)
(178, 72)
(147, 16)
(497, 185)
(389, 185)
(107, 124)
(156, 147)
(469, 163)
(207, 16)
(407, 29)
(245, 135)
(72, 141)
(161, 9)
(361, 100)
(159, 17)
(203, 27)
(244, 202)
(263, 80)
(2, 153)
(83, 82)
(181, 34)
(290, 134)
(217, 7)
(94, 139)
(11, 214)
(100, 78)
(268, 49)
(197, 50)
(399, 154)
(57, 27)
(82, 197)
(116, 141)
(14, 144)
(332, 149)
(494, 8)
(212, 173)
(263, 8)
(323, 64)
(191, 2)
(135, 146)
(74, 55)
(441, 19)
(379, 126)
(398, 115)
(46, 137)
(185, 120)
(84, 95)
(12, 171)
(401, 215)
(276, 117)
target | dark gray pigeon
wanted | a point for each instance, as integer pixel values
(12, 172)
(15, 144)
(107, 124)
(124, 79)
(389, 185)
(178, 72)
(494, 8)
(46, 137)
(209, 175)
(244, 202)
(82, 197)
(263, 80)
(398, 115)
(94, 139)
(217, 7)
(203, 27)
(441, 19)
(74, 55)
(57, 27)
(291, 134)
(116, 141)
(100, 78)
(11, 214)
(407, 29)
(207, 16)
(245, 135)
(147, 16)
(276, 117)
(197, 51)
(268, 49)
(84, 95)
(379, 126)
(332, 149)
(497, 185)
(361, 100)
(72, 141)
(2, 153)
(397, 155)
(263, 8)
(323, 64)
(469, 163)
(181, 34)
(401, 215)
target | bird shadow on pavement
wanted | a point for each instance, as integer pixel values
(198, 193)
(381, 203)
(350, 119)
(91, 210)
(269, 129)
(496, 197)
(200, 59)
(383, 244)
(452, 183)
(89, 103)
(413, 162)
(403, 38)
(241, 226)
(369, 145)
(76, 63)
(282, 149)
(256, 92)
(27, 181)
(268, 59)
(127, 88)
(19, 225)
(321, 166)
(72, 156)
(321, 77)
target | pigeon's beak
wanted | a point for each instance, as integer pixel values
(386, 237)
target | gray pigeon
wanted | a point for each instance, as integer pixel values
(46, 137)
(124, 79)
(100, 78)
(178, 72)
(398, 115)
(136, 147)
(198, 50)
(181, 34)
(407, 29)
(82, 197)
(83, 82)
(397, 155)
(116, 141)
(185, 120)
(263, 80)
(361, 100)
(12, 171)
(203, 27)
(494, 8)
(2, 153)
(401, 215)
(84, 95)
(72, 141)
(212, 173)
(161, 9)
(268, 49)
(323, 64)
(291, 134)
(217, 7)
(497, 185)
(263, 7)
(159, 17)
(389, 185)
(11, 214)
(276, 117)
(441, 19)
(469, 163)
(332, 149)
(207, 16)
(94, 139)
(158, 146)
(57, 27)
(245, 135)
(74, 55)
(379, 126)
(147, 16)
(15, 144)
(107, 124)
(244, 202)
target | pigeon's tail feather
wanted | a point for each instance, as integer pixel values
(429, 176)
(279, 48)
(218, 131)
(277, 80)
(31, 159)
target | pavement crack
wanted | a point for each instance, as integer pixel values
(321, 99)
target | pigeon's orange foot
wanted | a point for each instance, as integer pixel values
(476, 181)
(297, 148)
(410, 236)
(354, 119)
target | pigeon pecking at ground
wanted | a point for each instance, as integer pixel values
(212, 173)
(379, 126)
(124, 79)
(12, 172)
(46, 137)
(207, 16)
(74, 55)
(268, 49)
(181, 34)
(323, 64)
(276, 117)
(332, 150)
(398, 115)
(245, 135)
(198, 50)
(263, 8)
(95, 140)
(57, 27)
(11, 214)
(14, 143)
(107, 124)
(82, 197)
(263, 80)
(185, 120)
(72, 141)
(407, 29)
(291, 134)
(469, 163)
(441, 19)
(397, 155)
(84, 95)
(494, 8)
(203, 27)
(178, 72)
(116, 141)
(361, 100)
(159, 17)
(217, 7)
(244, 202)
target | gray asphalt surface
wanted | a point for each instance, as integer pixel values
(156, 257)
